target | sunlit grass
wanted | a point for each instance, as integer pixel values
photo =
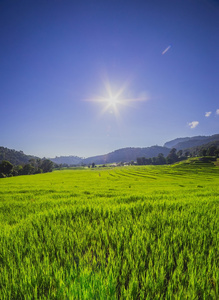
(129, 233)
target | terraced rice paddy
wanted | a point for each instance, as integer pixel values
(146, 232)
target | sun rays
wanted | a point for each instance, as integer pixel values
(114, 99)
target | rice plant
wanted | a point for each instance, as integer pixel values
(146, 232)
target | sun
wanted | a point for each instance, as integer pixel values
(114, 99)
(112, 104)
(111, 101)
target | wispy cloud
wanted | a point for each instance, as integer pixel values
(193, 124)
(208, 113)
(166, 49)
(217, 111)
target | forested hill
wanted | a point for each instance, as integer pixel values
(117, 156)
(127, 155)
(189, 142)
(204, 149)
(121, 155)
(69, 160)
(14, 157)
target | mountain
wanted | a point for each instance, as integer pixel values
(196, 150)
(173, 143)
(70, 160)
(127, 155)
(14, 157)
(120, 155)
(189, 142)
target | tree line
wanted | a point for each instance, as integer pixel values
(15, 157)
(37, 165)
(175, 156)
(34, 166)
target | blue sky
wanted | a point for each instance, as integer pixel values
(62, 62)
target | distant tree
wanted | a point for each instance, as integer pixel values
(202, 152)
(38, 171)
(161, 159)
(46, 165)
(93, 165)
(6, 167)
(33, 162)
(144, 161)
(149, 161)
(172, 157)
(28, 169)
(17, 170)
(187, 153)
(179, 153)
(141, 161)
(211, 150)
(216, 153)
(154, 160)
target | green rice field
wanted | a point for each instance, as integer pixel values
(137, 232)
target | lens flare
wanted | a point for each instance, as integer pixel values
(114, 100)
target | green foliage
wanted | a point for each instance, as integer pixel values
(139, 232)
(211, 149)
(171, 158)
(14, 157)
(6, 167)
(14, 163)
(46, 166)
(28, 169)
(35, 166)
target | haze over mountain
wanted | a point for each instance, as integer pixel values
(188, 142)
(129, 154)
(121, 155)
(69, 160)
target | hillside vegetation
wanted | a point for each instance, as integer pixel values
(15, 157)
(138, 232)
(190, 142)
(193, 146)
